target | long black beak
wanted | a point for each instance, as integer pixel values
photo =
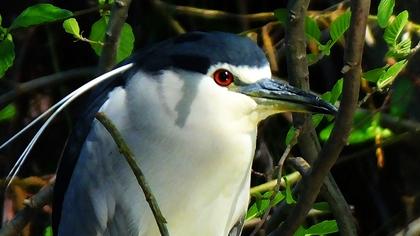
(280, 97)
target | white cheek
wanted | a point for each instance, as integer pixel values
(227, 108)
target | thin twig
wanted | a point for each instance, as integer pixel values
(311, 184)
(292, 178)
(116, 22)
(33, 204)
(129, 156)
(214, 14)
(279, 178)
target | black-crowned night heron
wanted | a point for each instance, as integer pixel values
(188, 108)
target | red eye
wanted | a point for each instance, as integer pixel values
(223, 77)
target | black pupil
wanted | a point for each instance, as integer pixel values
(224, 76)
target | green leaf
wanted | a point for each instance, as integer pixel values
(281, 15)
(126, 42)
(339, 26)
(312, 58)
(103, 2)
(7, 113)
(252, 212)
(290, 135)
(312, 30)
(326, 49)
(278, 198)
(72, 27)
(316, 119)
(322, 206)
(337, 29)
(7, 54)
(97, 34)
(393, 31)
(288, 192)
(262, 204)
(336, 91)
(126, 45)
(324, 227)
(48, 231)
(401, 50)
(389, 76)
(402, 94)
(300, 231)
(385, 9)
(39, 14)
(326, 96)
(374, 74)
(365, 128)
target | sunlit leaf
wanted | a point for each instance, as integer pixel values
(39, 14)
(281, 15)
(262, 204)
(103, 2)
(393, 31)
(290, 135)
(7, 113)
(365, 128)
(401, 50)
(252, 212)
(300, 231)
(374, 74)
(126, 45)
(332, 97)
(385, 9)
(336, 91)
(126, 42)
(48, 231)
(7, 54)
(324, 227)
(278, 198)
(339, 26)
(326, 48)
(388, 77)
(312, 30)
(97, 34)
(316, 119)
(72, 27)
(289, 193)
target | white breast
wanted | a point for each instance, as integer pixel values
(195, 149)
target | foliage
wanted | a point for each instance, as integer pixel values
(7, 112)
(40, 14)
(126, 42)
(44, 13)
(321, 228)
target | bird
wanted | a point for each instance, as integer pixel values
(188, 108)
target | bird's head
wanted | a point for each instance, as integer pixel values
(223, 77)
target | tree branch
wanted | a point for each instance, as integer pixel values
(116, 22)
(309, 145)
(311, 184)
(213, 14)
(129, 156)
(44, 81)
(33, 204)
